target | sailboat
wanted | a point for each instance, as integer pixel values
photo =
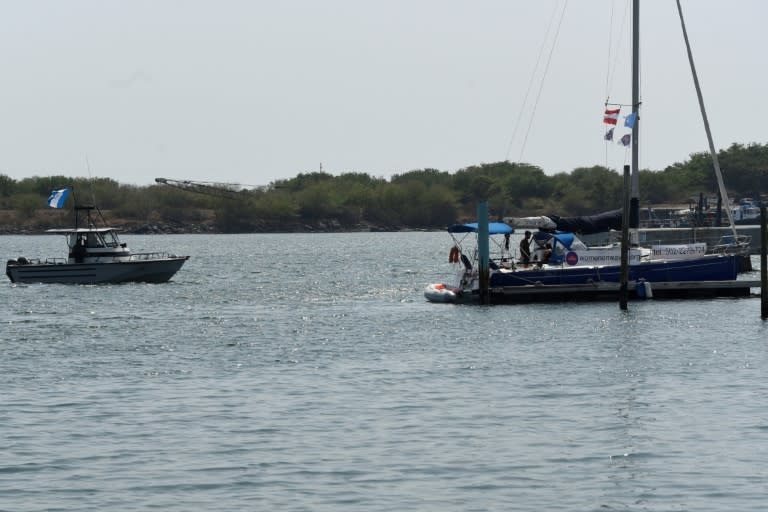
(567, 269)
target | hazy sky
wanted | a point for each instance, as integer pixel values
(250, 91)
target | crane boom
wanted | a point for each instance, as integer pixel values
(225, 190)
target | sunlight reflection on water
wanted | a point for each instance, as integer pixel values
(299, 372)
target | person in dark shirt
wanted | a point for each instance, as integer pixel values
(525, 249)
(79, 251)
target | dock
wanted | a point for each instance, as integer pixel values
(610, 291)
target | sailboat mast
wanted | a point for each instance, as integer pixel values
(634, 201)
(715, 161)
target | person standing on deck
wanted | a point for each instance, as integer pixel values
(525, 249)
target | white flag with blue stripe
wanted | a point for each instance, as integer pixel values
(57, 198)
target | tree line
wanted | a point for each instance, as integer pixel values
(418, 199)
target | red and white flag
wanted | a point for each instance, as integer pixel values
(611, 116)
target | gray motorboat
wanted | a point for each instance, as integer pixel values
(96, 255)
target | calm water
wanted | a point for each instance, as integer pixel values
(307, 372)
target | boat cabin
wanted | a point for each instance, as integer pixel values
(90, 245)
(92, 238)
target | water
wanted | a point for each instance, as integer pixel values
(307, 372)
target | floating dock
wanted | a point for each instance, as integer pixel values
(610, 291)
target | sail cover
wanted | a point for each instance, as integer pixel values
(585, 224)
(539, 222)
(589, 224)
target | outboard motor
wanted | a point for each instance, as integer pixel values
(10, 263)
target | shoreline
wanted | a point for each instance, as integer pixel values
(159, 228)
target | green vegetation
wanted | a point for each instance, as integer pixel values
(419, 199)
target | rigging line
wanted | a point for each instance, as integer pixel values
(620, 39)
(612, 63)
(610, 45)
(541, 85)
(608, 75)
(530, 82)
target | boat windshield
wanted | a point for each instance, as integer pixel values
(94, 239)
(110, 239)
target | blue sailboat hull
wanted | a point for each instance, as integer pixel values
(709, 268)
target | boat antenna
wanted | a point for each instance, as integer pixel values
(93, 197)
(74, 196)
(90, 179)
(75, 207)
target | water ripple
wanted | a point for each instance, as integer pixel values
(321, 380)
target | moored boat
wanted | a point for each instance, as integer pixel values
(567, 269)
(440, 292)
(573, 270)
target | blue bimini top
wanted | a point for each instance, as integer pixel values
(494, 228)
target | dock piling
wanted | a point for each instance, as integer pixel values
(763, 264)
(483, 249)
(623, 287)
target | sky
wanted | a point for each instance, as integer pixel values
(253, 91)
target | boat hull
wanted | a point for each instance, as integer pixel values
(711, 268)
(147, 271)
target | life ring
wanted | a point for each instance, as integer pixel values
(453, 256)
